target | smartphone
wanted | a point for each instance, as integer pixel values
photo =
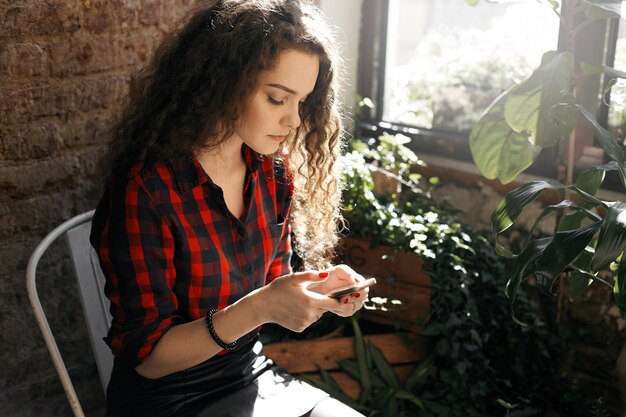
(355, 288)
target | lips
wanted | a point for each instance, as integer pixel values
(278, 138)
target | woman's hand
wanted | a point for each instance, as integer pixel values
(289, 302)
(343, 276)
(298, 300)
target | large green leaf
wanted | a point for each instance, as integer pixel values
(350, 367)
(381, 399)
(592, 277)
(589, 200)
(607, 141)
(565, 204)
(558, 121)
(524, 265)
(564, 247)
(361, 360)
(405, 395)
(521, 110)
(530, 109)
(384, 368)
(620, 285)
(609, 166)
(511, 206)
(581, 280)
(612, 238)
(570, 221)
(419, 374)
(498, 151)
(588, 181)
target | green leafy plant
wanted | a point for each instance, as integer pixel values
(405, 218)
(382, 393)
(482, 361)
(541, 112)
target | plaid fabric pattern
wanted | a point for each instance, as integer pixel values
(171, 250)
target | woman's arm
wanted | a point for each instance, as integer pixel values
(287, 301)
(189, 344)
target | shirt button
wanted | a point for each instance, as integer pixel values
(241, 230)
(247, 268)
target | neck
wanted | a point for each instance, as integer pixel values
(224, 157)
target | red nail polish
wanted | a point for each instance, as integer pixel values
(345, 301)
(323, 274)
(356, 295)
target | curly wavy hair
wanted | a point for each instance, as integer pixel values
(195, 88)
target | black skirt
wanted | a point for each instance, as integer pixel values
(241, 383)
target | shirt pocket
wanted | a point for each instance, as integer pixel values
(267, 250)
(275, 233)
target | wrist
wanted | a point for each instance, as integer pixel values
(237, 319)
(216, 338)
(259, 304)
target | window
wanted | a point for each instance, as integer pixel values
(617, 99)
(432, 67)
(447, 61)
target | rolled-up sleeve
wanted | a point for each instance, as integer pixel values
(281, 264)
(281, 190)
(136, 250)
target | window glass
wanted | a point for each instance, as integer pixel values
(446, 60)
(617, 106)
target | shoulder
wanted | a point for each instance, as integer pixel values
(146, 184)
(161, 181)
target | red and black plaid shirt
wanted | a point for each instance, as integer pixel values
(171, 250)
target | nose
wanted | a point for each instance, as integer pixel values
(292, 116)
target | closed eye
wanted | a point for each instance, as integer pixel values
(274, 101)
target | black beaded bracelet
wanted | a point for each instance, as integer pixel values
(209, 325)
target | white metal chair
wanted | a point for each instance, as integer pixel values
(95, 305)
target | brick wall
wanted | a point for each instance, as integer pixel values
(64, 67)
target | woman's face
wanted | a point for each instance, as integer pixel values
(273, 110)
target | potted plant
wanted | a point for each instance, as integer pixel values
(544, 111)
(391, 220)
(480, 361)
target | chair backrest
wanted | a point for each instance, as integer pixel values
(95, 305)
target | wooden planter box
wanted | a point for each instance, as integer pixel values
(307, 357)
(399, 276)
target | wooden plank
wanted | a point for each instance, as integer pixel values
(411, 314)
(382, 262)
(310, 355)
(400, 278)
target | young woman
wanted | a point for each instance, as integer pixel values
(228, 145)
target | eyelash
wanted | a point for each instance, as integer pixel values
(279, 103)
(275, 102)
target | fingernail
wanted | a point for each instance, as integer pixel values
(356, 295)
(345, 301)
(323, 274)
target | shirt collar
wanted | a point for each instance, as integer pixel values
(189, 173)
